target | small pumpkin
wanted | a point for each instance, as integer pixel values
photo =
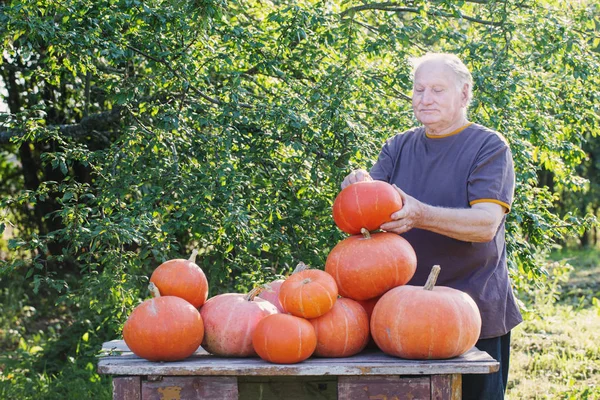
(284, 339)
(366, 204)
(427, 322)
(165, 328)
(343, 331)
(368, 265)
(182, 278)
(271, 290)
(230, 320)
(308, 294)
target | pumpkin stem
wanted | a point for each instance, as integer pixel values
(154, 290)
(300, 267)
(365, 232)
(193, 256)
(433, 275)
(253, 293)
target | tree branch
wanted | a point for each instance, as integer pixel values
(393, 7)
(94, 123)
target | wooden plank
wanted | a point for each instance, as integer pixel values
(119, 347)
(446, 387)
(366, 363)
(288, 388)
(127, 388)
(239, 367)
(383, 387)
(196, 388)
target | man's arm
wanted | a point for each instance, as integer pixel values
(476, 224)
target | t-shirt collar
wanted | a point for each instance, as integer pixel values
(454, 132)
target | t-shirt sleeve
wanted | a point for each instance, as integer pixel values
(492, 179)
(383, 167)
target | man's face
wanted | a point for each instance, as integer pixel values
(437, 101)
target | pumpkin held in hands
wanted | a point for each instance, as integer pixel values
(427, 322)
(182, 278)
(368, 265)
(165, 328)
(230, 320)
(366, 204)
(284, 339)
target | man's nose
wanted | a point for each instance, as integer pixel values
(427, 96)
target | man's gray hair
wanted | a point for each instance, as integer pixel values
(463, 75)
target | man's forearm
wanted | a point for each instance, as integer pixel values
(477, 224)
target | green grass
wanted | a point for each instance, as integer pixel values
(556, 350)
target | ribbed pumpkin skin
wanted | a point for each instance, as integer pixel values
(366, 204)
(364, 268)
(229, 322)
(369, 305)
(284, 339)
(343, 331)
(181, 278)
(309, 293)
(410, 322)
(166, 328)
(271, 294)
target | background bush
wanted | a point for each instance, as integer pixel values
(138, 130)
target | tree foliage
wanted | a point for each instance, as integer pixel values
(138, 130)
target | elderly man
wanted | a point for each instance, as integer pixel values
(456, 180)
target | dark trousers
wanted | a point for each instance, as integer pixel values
(489, 386)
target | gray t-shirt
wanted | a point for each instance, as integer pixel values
(456, 171)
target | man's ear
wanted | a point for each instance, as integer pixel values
(465, 94)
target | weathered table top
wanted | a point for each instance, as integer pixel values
(118, 360)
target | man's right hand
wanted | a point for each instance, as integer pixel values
(358, 175)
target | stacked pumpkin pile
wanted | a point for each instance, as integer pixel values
(304, 314)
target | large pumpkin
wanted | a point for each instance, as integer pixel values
(165, 328)
(284, 339)
(309, 293)
(343, 331)
(366, 204)
(230, 320)
(182, 278)
(427, 322)
(368, 265)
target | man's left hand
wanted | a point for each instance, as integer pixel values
(410, 216)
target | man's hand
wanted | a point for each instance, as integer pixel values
(358, 175)
(410, 216)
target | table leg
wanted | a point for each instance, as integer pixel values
(446, 387)
(127, 388)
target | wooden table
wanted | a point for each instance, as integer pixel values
(370, 375)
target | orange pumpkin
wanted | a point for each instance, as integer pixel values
(343, 331)
(427, 322)
(308, 294)
(182, 278)
(271, 290)
(230, 320)
(366, 204)
(165, 328)
(284, 339)
(369, 305)
(366, 266)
